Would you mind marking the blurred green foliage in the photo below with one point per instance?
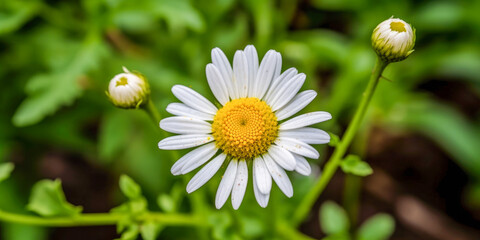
(56, 58)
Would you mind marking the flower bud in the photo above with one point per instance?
(393, 40)
(128, 90)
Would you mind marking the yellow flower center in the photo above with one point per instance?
(397, 26)
(122, 81)
(245, 128)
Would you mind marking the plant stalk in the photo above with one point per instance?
(337, 156)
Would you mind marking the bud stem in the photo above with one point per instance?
(331, 166)
(152, 112)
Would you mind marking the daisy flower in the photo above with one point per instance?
(250, 127)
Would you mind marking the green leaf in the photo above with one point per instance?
(179, 14)
(354, 165)
(444, 125)
(47, 199)
(150, 230)
(333, 218)
(131, 233)
(5, 170)
(19, 12)
(50, 91)
(166, 203)
(378, 227)
(334, 140)
(129, 187)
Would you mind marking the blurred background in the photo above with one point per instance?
(421, 134)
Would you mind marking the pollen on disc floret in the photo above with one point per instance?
(245, 128)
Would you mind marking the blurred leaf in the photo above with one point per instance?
(12, 231)
(135, 20)
(378, 227)
(333, 218)
(131, 233)
(129, 187)
(166, 203)
(114, 134)
(47, 199)
(338, 236)
(15, 14)
(334, 140)
(150, 230)
(354, 165)
(48, 92)
(5, 170)
(179, 14)
(444, 125)
(438, 16)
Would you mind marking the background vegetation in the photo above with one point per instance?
(421, 135)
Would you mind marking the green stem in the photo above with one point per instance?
(332, 165)
(99, 219)
(153, 112)
(198, 205)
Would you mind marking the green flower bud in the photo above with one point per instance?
(393, 40)
(128, 90)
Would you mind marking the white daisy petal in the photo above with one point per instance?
(193, 99)
(252, 59)
(201, 157)
(184, 141)
(206, 173)
(302, 166)
(283, 157)
(262, 176)
(226, 184)
(296, 104)
(240, 184)
(216, 83)
(181, 109)
(305, 120)
(221, 62)
(278, 65)
(185, 125)
(264, 75)
(297, 147)
(194, 154)
(240, 73)
(286, 76)
(287, 91)
(262, 199)
(279, 176)
(307, 135)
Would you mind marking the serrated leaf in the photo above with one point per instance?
(333, 218)
(5, 170)
(129, 187)
(354, 165)
(378, 227)
(50, 91)
(47, 199)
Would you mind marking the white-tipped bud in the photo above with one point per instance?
(128, 90)
(393, 40)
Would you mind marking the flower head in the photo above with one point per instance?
(393, 40)
(249, 129)
(128, 90)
